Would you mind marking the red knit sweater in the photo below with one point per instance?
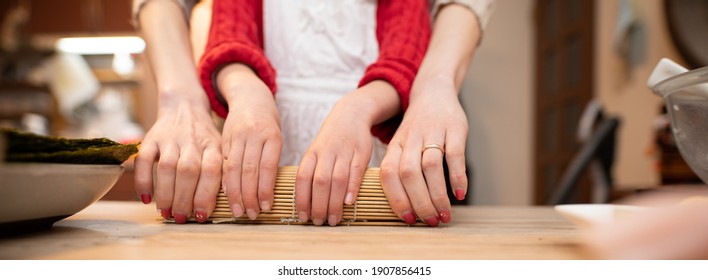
(236, 36)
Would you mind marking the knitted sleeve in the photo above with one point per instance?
(236, 36)
(403, 33)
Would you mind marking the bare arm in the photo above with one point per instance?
(169, 52)
(183, 143)
(449, 54)
(413, 177)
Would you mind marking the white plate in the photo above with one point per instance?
(35, 195)
(592, 214)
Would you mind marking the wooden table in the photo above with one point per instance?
(130, 230)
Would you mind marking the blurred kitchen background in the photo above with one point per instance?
(546, 70)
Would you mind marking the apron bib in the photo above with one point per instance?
(320, 50)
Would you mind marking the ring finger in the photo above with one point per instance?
(432, 164)
(413, 181)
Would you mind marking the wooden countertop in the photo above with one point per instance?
(130, 230)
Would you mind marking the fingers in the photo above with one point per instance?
(187, 178)
(411, 174)
(457, 166)
(166, 171)
(185, 184)
(143, 171)
(339, 184)
(208, 185)
(321, 183)
(268, 173)
(249, 177)
(184, 146)
(356, 172)
(432, 164)
(303, 186)
(231, 177)
(392, 185)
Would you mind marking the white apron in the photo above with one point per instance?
(320, 49)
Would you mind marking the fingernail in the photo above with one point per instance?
(432, 221)
(318, 222)
(445, 216)
(237, 210)
(166, 213)
(146, 198)
(265, 206)
(200, 215)
(460, 194)
(409, 218)
(252, 215)
(302, 215)
(180, 218)
(349, 199)
(333, 220)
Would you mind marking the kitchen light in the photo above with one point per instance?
(101, 45)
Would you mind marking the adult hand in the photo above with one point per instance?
(251, 141)
(186, 146)
(412, 175)
(331, 170)
(184, 140)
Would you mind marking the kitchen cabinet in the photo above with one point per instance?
(77, 16)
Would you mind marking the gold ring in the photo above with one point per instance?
(433, 146)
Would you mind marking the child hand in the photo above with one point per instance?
(331, 170)
(251, 141)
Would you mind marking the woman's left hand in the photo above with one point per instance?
(434, 128)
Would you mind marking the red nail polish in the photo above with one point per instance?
(409, 218)
(166, 213)
(201, 216)
(146, 198)
(460, 194)
(432, 221)
(180, 218)
(445, 216)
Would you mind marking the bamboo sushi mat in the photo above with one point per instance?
(370, 209)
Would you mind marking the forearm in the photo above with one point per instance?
(375, 102)
(164, 28)
(449, 53)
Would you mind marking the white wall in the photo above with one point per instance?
(497, 95)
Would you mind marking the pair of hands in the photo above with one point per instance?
(412, 177)
(191, 156)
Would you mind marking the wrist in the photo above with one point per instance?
(374, 102)
(427, 88)
(235, 80)
(437, 70)
(169, 97)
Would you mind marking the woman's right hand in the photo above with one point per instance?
(185, 144)
(251, 141)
